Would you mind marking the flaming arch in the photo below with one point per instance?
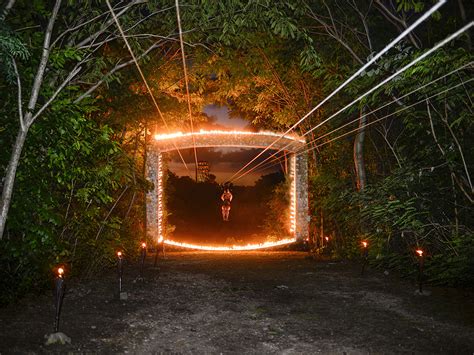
(298, 172)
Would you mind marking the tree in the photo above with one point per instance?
(75, 50)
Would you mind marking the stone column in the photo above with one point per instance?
(302, 216)
(154, 197)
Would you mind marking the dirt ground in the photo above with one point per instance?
(246, 302)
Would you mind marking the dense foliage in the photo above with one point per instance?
(79, 186)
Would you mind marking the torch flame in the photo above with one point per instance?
(119, 254)
(419, 252)
(364, 244)
(60, 272)
(327, 238)
(160, 137)
(232, 247)
(143, 245)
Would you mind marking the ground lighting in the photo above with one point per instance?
(142, 258)
(421, 262)
(120, 270)
(58, 296)
(365, 255)
(232, 247)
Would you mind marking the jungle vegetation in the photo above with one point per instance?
(75, 118)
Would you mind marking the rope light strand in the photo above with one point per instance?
(186, 81)
(345, 83)
(373, 122)
(122, 34)
(391, 77)
(382, 118)
(264, 166)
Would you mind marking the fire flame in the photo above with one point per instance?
(60, 272)
(119, 254)
(160, 137)
(327, 238)
(160, 239)
(232, 247)
(364, 244)
(419, 252)
(143, 245)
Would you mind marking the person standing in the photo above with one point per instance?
(226, 198)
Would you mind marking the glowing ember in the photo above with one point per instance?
(160, 196)
(60, 272)
(232, 247)
(160, 137)
(119, 254)
(143, 245)
(364, 244)
(419, 252)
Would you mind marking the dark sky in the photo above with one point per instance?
(224, 162)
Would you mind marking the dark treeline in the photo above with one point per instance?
(194, 211)
(75, 118)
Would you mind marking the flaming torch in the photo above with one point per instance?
(421, 261)
(365, 255)
(142, 261)
(120, 270)
(58, 296)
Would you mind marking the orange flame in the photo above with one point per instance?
(232, 247)
(160, 239)
(60, 272)
(143, 245)
(419, 252)
(160, 137)
(119, 254)
(364, 244)
(327, 238)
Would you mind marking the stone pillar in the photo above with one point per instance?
(302, 216)
(154, 198)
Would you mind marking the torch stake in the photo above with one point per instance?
(120, 273)
(365, 256)
(420, 273)
(142, 262)
(58, 300)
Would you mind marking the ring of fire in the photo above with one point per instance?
(162, 143)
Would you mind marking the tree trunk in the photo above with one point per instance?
(10, 178)
(359, 153)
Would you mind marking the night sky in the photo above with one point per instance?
(224, 162)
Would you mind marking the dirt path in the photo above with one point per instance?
(252, 302)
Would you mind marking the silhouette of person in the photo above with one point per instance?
(226, 198)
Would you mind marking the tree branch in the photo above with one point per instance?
(20, 106)
(6, 9)
(71, 75)
(108, 23)
(43, 62)
(114, 70)
(397, 22)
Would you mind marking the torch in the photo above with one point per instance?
(421, 261)
(365, 255)
(120, 270)
(58, 296)
(143, 256)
